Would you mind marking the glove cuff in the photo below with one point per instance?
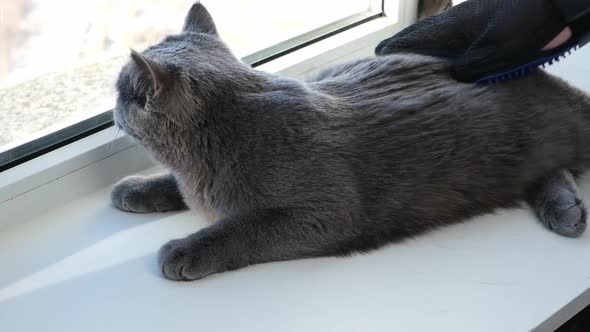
(572, 10)
(577, 14)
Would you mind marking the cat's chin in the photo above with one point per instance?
(121, 126)
(133, 135)
(209, 215)
(127, 131)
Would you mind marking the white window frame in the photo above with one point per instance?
(100, 159)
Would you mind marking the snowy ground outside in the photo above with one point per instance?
(59, 59)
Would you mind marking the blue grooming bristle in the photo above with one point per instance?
(529, 67)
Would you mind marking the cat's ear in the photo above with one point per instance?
(150, 72)
(198, 19)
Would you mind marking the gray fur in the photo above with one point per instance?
(432, 7)
(366, 153)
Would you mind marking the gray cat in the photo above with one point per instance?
(366, 153)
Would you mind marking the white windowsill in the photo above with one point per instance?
(86, 266)
(71, 262)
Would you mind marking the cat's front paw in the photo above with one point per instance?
(186, 260)
(131, 194)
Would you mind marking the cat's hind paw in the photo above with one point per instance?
(566, 217)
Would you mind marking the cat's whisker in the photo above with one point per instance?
(116, 135)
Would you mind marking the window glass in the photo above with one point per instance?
(59, 58)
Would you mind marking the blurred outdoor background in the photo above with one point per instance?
(59, 58)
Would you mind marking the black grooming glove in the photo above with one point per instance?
(482, 38)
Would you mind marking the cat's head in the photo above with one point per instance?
(171, 84)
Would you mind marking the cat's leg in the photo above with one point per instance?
(557, 203)
(264, 236)
(143, 194)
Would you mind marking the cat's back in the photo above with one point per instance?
(404, 110)
(405, 81)
(383, 77)
(397, 86)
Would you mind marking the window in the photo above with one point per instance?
(59, 59)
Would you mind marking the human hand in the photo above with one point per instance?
(482, 38)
